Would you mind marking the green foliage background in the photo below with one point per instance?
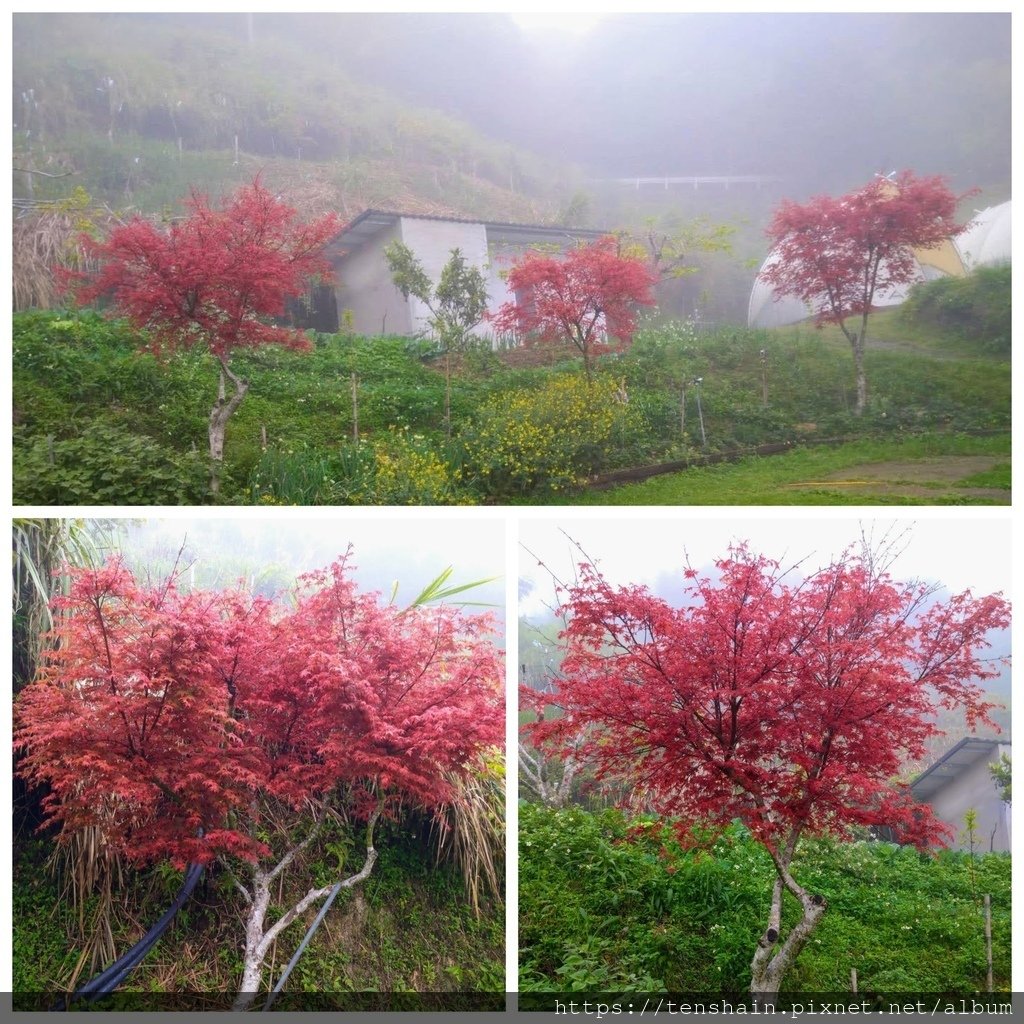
(608, 904)
(97, 420)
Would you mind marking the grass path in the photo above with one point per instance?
(931, 470)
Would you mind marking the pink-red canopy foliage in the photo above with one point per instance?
(788, 705)
(837, 254)
(586, 297)
(167, 719)
(213, 276)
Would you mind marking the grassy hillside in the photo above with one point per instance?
(136, 109)
(99, 422)
(409, 929)
(601, 911)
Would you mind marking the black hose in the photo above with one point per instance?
(109, 979)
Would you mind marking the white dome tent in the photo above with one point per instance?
(765, 310)
(985, 241)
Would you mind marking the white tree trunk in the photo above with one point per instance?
(775, 955)
(534, 772)
(259, 942)
(219, 416)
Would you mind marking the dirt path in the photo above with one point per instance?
(921, 478)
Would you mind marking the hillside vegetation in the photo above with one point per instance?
(138, 109)
(410, 932)
(99, 422)
(609, 905)
(969, 313)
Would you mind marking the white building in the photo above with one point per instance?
(363, 281)
(959, 781)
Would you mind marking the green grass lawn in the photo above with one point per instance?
(802, 477)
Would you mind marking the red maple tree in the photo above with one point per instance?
(183, 726)
(587, 297)
(787, 705)
(212, 278)
(836, 255)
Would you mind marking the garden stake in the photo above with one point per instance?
(355, 410)
(988, 939)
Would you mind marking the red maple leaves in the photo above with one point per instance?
(587, 298)
(213, 276)
(166, 719)
(788, 705)
(837, 255)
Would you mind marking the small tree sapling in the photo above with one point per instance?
(586, 298)
(212, 278)
(836, 255)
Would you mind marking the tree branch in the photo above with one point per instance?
(315, 894)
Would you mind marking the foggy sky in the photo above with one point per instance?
(409, 550)
(960, 553)
(824, 100)
(821, 100)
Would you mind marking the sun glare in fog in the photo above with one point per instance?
(569, 22)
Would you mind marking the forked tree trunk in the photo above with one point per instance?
(219, 416)
(775, 955)
(534, 774)
(258, 942)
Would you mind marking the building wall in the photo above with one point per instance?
(973, 787)
(433, 241)
(364, 285)
(364, 282)
(502, 256)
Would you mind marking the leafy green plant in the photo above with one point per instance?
(603, 896)
(975, 308)
(106, 465)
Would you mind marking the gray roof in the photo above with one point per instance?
(947, 767)
(371, 222)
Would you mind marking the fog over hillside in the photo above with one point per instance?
(516, 118)
(823, 100)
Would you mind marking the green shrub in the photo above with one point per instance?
(603, 899)
(106, 465)
(976, 308)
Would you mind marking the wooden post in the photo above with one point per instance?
(988, 939)
(263, 437)
(682, 408)
(355, 409)
(853, 980)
